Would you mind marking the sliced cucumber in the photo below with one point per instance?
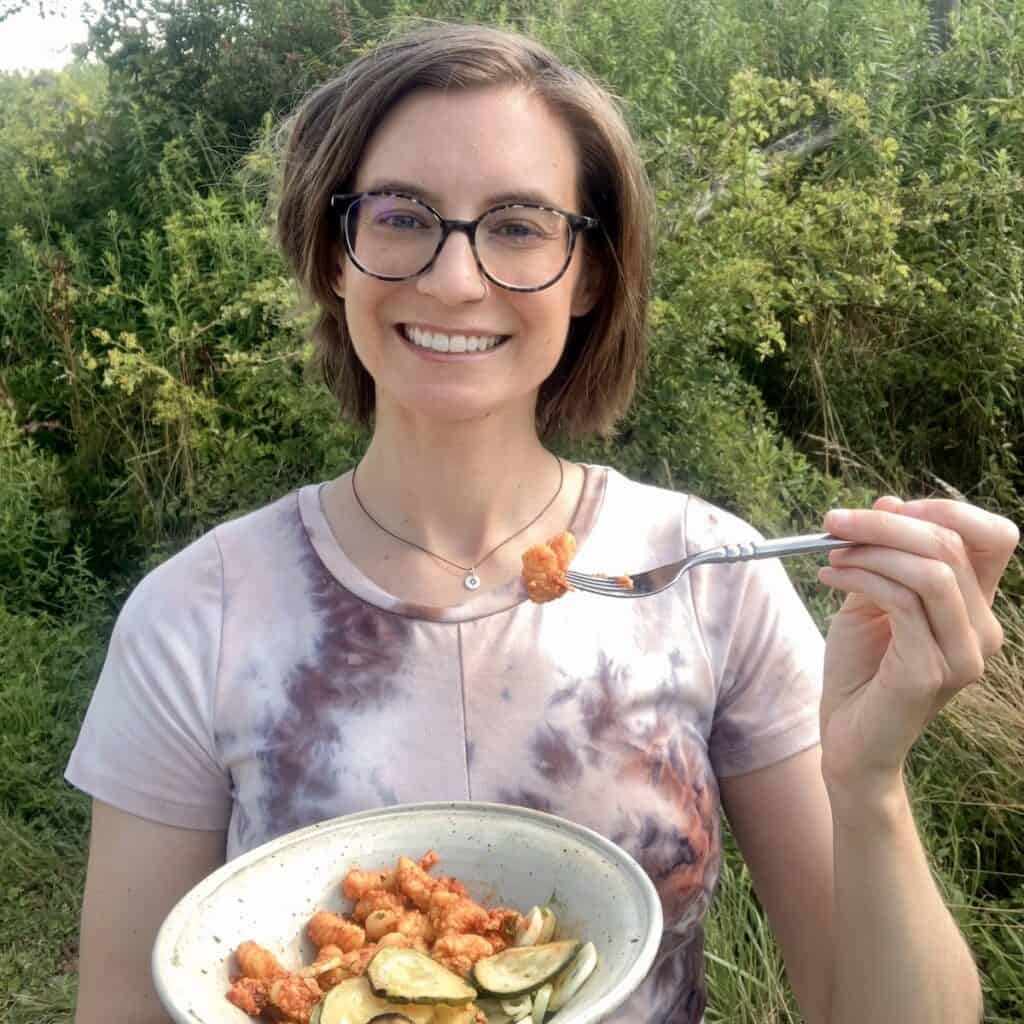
(353, 1002)
(314, 1017)
(409, 976)
(455, 1014)
(569, 984)
(522, 969)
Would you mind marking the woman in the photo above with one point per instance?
(473, 221)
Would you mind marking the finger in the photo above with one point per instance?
(920, 671)
(937, 587)
(896, 531)
(988, 539)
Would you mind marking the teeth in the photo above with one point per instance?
(452, 342)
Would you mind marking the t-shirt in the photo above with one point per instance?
(258, 681)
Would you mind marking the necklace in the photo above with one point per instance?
(472, 581)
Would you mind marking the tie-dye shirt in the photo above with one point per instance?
(258, 681)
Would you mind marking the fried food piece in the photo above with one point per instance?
(250, 995)
(327, 929)
(413, 883)
(429, 859)
(356, 962)
(416, 926)
(327, 977)
(295, 996)
(356, 884)
(502, 925)
(381, 923)
(545, 565)
(459, 952)
(449, 912)
(256, 962)
(377, 899)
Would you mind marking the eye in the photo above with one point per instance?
(400, 220)
(523, 227)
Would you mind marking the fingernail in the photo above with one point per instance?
(836, 519)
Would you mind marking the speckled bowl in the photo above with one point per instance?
(505, 855)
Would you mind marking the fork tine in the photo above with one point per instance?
(595, 584)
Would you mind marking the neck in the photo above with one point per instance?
(457, 490)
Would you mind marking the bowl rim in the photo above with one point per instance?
(170, 930)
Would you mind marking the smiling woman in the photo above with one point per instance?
(472, 219)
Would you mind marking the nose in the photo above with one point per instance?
(454, 276)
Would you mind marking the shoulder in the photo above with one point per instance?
(673, 517)
(189, 585)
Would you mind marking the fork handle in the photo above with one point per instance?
(780, 547)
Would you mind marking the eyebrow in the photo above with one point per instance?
(517, 196)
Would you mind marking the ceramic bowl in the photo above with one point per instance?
(505, 855)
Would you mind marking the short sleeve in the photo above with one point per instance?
(766, 652)
(146, 744)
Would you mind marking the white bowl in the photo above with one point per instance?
(505, 855)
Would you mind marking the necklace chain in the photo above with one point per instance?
(472, 581)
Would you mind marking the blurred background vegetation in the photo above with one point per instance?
(839, 314)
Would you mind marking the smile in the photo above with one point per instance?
(438, 342)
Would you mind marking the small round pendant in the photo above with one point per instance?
(472, 581)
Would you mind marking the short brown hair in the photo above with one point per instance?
(594, 383)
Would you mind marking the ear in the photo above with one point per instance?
(587, 288)
(338, 279)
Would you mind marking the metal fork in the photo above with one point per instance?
(653, 581)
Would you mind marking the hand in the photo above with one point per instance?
(915, 628)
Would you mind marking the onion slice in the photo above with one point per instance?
(518, 1009)
(541, 999)
(530, 930)
(547, 931)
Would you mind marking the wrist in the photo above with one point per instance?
(877, 800)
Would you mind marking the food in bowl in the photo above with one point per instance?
(415, 949)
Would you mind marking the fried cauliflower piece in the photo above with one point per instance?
(328, 968)
(295, 996)
(377, 899)
(327, 929)
(545, 565)
(358, 883)
(450, 912)
(250, 995)
(256, 962)
(459, 952)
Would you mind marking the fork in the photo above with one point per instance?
(654, 581)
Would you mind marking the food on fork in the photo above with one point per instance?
(545, 565)
(415, 949)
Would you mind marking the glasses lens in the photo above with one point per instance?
(390, 235)
(523, 246)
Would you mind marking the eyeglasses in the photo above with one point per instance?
(524, 247)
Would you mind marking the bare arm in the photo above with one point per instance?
(851, 900)
(137, 871)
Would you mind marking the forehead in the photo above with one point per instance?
(464, 147)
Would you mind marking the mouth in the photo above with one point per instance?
(433, 340)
